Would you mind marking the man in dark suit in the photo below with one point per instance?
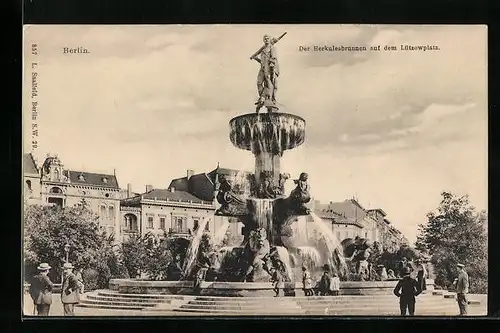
(41, 290)
(406, 289)
(462, 285)
(70, 291)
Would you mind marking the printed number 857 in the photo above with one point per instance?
(34, 49)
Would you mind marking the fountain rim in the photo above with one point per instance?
(277, 114)
(130, 282)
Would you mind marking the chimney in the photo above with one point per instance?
(149, 188)
(172, 189)
(190, 173)
(129, 190)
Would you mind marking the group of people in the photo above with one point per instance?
(41, 288)
(327, 285)
(408, 288)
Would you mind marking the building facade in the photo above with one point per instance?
(52, 184)
(205, 186)
(166, 210)
(349, 219)
(188, 203)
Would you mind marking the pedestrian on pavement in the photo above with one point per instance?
(421, 274)
(277, 280)
(307, 282)
(41, 290)
(334, 285)
(324, 283)
(79, 278)
(462, 287)
(407, 289)
(70, 290)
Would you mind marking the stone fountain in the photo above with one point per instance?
(264, 208)
(274, 222)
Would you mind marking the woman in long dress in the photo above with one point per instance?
(307, 282)
(421, 274)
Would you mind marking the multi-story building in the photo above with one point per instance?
(31, 180)
(349, 219)
(183, 207)
(205, 186)
(52, 184)
(166, 210)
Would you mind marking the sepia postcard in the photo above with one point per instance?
(243, 170)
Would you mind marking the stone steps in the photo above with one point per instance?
(111, 293)
(429, 303)
(118, 303)
(127, 299)
(109, 306)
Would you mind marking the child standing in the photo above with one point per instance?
(334, 285)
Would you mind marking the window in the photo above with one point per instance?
(162, 223)
(28, 184)
(338, 234)
(55, 190)
(179, 224)
(196, 225)
(131, 222)
(207, 226)
(103, 211)
(111, 212)
(150, 222)
(366, 235)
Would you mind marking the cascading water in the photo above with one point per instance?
(310, 256)
(192, 251)
(336, 258)
(285, 258)
(300, 232)
(263, 213)
(221, 232)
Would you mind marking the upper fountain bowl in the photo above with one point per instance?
(267, 132)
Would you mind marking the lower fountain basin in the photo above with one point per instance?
(245, 289)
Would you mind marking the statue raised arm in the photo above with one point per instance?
(267, 78)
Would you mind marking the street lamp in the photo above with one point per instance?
(66, 250)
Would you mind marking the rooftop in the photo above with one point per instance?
(337, 218)
(349, 209)
(177, 195)
(91, 178)
(380, 210)
(29, 164)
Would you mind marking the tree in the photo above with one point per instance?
(147, 254)
(47, 229)
(133, 251)
(455, 233)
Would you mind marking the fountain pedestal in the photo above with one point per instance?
(267, 209)
(267, 136)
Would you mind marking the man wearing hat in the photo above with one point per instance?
(41, 290)
(406, 289)
(462, 285)
(70, 291)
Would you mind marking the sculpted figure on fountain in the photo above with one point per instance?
(358, 251)
(232, 203)
(300, 196)
(257, 254)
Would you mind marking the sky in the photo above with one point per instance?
(393, 129)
